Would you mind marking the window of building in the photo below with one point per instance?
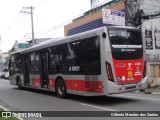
(155, 70)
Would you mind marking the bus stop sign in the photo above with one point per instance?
(113, 17)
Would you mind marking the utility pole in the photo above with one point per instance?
(94, 3)
(25, 10)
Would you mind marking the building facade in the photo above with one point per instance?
(92, 19)
(151, 33)
(4, 58)
(19, 46)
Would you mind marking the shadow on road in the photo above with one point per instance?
(98, 100)
(102, 100)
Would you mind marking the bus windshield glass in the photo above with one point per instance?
(123, 38)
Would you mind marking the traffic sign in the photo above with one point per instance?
(113, 17)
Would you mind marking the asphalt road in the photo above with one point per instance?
(35, 100)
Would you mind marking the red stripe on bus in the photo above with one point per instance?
(36, 81)
(82, 85)
(52, 83)
(79, 85)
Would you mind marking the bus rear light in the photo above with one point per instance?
(139, 86)
(145, 69)
(109, 71)
(120, 89)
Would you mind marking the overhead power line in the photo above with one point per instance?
(53, 28)
(14, 22)
(56, 27)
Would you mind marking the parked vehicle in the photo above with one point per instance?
(3, 73)
(6, 76)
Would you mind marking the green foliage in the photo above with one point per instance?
(11, 118)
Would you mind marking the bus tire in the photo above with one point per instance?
(19, 83)
(61, 90)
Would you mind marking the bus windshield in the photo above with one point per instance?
(126, 44)
(123, 38)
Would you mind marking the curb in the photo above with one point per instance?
(4, 108)
(147, 92)
(8, 110)
(155, 93)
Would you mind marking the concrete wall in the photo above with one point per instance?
(154, 74)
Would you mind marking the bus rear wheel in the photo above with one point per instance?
(61, 89)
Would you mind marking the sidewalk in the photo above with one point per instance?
(153, 91)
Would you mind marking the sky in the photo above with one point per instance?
(47, 14)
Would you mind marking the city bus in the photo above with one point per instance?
(103, 61)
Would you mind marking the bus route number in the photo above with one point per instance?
(74, 68)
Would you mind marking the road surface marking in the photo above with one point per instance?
(19, 118)
(84, 104)
(126, 96)
(4, 108)
(27, 92)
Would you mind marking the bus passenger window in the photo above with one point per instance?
(53, 60)
(92, 56)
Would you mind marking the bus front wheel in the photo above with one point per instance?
(61, 89)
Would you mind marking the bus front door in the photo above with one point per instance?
(26, 70)
(44, 69)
